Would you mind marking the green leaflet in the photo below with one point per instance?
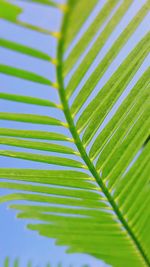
(27, 100)
(39, 198)
(70, 221)
(45, 209)
(23, 74)
(37, 145)
(74, 24)
(79, 194)
(16, 263)
(33, 134)
(9, 11)
(44, 2)
(62, 178)
(30, 118)
(42, 158)
(24, 49)
(6, 263)
(36, 29)
(44, 173)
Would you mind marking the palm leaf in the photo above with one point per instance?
(98, 202)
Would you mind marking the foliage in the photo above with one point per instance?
(16, 263)
(97, 201)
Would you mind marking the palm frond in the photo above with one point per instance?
(97, 201)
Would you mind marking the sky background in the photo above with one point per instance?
(15, 239)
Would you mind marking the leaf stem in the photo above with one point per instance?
(79, 144)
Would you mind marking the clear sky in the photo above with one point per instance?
(15, 239)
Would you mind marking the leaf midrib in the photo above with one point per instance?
(79, 144)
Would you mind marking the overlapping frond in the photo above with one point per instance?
(97, 201)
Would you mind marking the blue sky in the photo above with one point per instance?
(15, 239)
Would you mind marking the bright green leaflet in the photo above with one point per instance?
(24, 49)
(103, 191)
